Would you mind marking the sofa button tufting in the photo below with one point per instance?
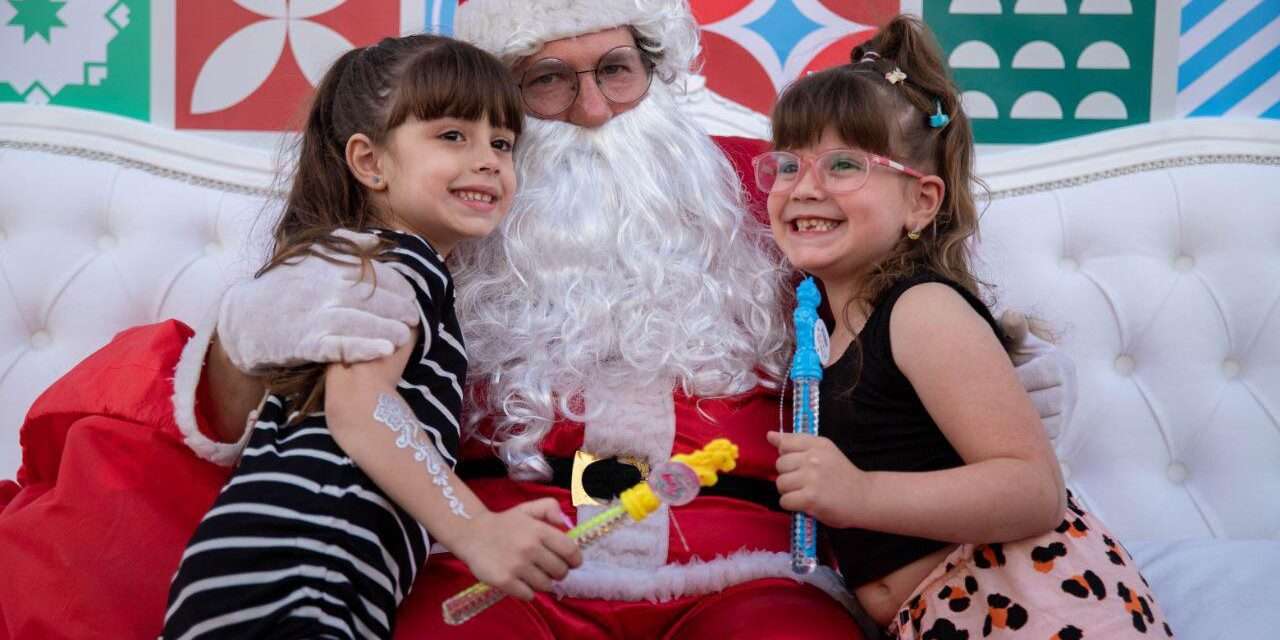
(1069, 264)
(1184, 263)
(106, 242)
(40, 339)
(1177, 473)
(1124, 365)
(1230, 368)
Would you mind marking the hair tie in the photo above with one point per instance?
(868, 57)
(895, 76)
(939, 119)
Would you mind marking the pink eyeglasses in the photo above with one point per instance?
(839, 170)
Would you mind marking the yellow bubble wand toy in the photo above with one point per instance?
(672, 483)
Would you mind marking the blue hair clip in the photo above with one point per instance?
(939, 119)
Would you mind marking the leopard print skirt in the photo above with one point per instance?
(1071, 583)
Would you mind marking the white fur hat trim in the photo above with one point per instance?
(513, 29)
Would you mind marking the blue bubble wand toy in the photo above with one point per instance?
(806, 374)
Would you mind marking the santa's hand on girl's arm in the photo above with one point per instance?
(316, 310)
(1048, 375)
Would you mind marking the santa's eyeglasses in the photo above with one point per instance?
(550, 86)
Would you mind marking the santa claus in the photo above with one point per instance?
(629, 308)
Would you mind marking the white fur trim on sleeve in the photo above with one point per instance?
(186, 379)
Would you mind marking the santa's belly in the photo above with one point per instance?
(708, 527)
(702, 547)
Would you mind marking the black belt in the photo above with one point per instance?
(607, 478)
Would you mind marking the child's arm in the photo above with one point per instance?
(1010, 486)
(518, 551)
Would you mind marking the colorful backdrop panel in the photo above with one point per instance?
(92, 54)
(1031, 70)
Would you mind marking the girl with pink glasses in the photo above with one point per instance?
(938, 488)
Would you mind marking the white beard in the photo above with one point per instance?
(627, 259)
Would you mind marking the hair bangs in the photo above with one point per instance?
(455, 80)
(841, 98)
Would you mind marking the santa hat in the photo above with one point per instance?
(511, 29)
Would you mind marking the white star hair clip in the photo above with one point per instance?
(895, 76)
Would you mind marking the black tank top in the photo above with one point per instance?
(872, 413)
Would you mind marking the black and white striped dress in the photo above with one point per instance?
(301, 543)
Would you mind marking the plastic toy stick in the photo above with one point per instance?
(806, 374)
(673, 483)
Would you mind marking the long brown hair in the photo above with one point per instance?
(866, 110)
(372, 90)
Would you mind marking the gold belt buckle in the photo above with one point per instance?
(580, 461)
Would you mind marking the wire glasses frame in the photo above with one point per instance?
(550, 86)
(840, 170)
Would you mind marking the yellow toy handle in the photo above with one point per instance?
(719, 456)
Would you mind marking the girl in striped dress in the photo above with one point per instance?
(347, 476)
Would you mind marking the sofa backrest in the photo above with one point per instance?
(1154, 253)
(107, 223)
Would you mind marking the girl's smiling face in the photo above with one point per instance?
(448, 179)
(837, 237)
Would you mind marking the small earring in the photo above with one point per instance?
(913, 235)
(377, 179)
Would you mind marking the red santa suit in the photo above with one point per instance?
(118, 468)
(719, 564)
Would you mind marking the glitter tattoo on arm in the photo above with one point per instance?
(393, 413)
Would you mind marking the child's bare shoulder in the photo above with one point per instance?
(929, 299)
(933, 316)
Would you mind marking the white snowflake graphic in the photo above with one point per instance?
(242, 62)
(70, 51)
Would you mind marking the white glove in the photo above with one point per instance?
(317, 311)
(1047, 374)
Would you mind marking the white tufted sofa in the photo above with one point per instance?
(107, 223)
(1153, 251)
